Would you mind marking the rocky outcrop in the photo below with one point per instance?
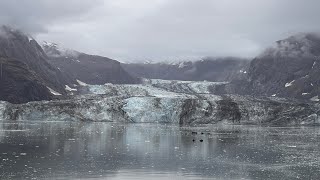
(87, 68)
(209, 69)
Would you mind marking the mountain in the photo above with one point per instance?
(209, 69)
(87, 68)
(30, 73)
(291, 69)
(26, 75)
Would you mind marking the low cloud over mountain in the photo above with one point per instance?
(162, 29)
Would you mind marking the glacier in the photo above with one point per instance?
(165, 101)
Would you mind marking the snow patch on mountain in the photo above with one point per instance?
(243, 71)
(289, 84)
(182, 65)
(314, 64)
(68, 88)
(53, 92)
(54, 50)
(315, 99)
(30, 38)
(81, 83)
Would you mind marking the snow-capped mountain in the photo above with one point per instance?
(54, 50)
(210, 69)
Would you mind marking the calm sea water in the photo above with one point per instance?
(70, 150)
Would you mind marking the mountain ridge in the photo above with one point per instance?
(91, 69)
(207, 69)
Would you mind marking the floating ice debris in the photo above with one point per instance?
(292, 146)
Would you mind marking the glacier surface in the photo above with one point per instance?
(162, 101)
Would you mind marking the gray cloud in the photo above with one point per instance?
(163, 29)
(34, 16)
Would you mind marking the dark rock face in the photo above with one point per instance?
(19, 84)
(25, 69)
(216, 70)
(87, 68)
(228, 109)
(289, 69)
(16, 45)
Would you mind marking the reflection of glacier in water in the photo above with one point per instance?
(69, 150)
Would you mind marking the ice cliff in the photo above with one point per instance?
(159, 101)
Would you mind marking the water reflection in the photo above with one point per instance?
(70, 150)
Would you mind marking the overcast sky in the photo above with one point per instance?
(132, 30)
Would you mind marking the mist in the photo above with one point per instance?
(162, 30)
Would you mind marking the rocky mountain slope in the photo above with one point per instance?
(87, 68)
(19, 83)
(209, 69)
(158, 101)
(30, 73)
(291, 68)
(25, 69)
